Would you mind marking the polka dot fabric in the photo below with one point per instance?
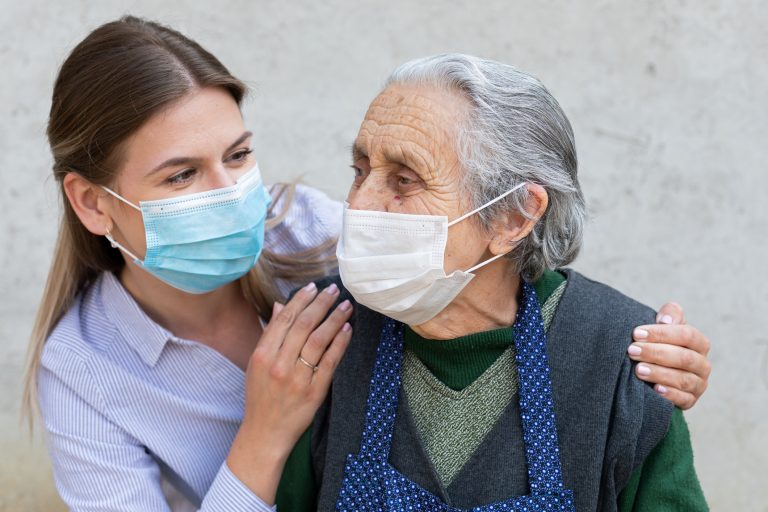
(372, 484)
(536, 407)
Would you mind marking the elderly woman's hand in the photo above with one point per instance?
(673, 356)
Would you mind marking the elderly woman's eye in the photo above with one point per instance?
(182, 177)
(405, 180)
(358, 171)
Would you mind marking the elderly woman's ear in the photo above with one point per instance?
(515, 226)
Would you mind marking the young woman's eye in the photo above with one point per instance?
(241, 155)
(182, 177)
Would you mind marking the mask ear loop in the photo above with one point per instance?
(486, 205)
(121, 198)
(116, 245)
(486, 262)
(491, 260)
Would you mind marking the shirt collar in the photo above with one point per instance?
(142, 333)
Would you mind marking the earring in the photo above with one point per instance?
(111, 240)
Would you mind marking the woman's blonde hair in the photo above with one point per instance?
(118, 77)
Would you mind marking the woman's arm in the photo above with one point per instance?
(673, 357)
(98, 466)
(666, 480)
(283, 392)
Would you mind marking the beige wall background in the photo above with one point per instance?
(668, 100)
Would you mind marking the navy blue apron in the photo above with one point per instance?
(372, 484)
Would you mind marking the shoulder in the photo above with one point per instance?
(307, 218)
(70, 338)
(594, 323)
(73, 345)
(598, 321)
(590, 296)
(335, 279)
(314, 203)
(592, 318)
(601, 317)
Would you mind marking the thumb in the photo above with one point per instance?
(670, 313)
(276, 309)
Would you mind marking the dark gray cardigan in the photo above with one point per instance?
(607, 420)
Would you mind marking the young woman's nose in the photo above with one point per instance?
(221, 177)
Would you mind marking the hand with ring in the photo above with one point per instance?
(303, 361)
(287, 379)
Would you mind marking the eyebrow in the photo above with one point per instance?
(412, 161)
(181, 160)
(358, 152)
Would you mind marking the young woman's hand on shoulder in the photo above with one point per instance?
(287, 379)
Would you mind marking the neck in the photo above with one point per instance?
(488, 302)
(210, 318)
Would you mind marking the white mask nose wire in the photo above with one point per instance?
(486, 205)
(121, 198)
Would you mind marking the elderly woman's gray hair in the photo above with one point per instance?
(516, 132)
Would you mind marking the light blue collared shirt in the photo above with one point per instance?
(139, 419)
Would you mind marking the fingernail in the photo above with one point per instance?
(346, 327)
(634, 350)
(643, 370)
(665, 319)
(311, 287)
(640, 334)
(331, 290)
(661, 389)
(344, 306)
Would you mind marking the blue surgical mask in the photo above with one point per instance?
(200, 242)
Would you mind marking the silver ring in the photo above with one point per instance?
(308, 364)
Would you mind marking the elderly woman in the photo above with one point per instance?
(480, 376)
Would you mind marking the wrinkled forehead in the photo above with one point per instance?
(422, 100)
(414, 112)
(413, 126)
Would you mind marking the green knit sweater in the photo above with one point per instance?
(484, 363)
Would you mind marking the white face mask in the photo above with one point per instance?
(393, 262)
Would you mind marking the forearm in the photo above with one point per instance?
(257, 463)
(229, 493)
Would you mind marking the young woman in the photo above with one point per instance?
(167, 370)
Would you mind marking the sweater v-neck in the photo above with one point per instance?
(458, 362)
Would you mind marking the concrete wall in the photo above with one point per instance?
(667, 99)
